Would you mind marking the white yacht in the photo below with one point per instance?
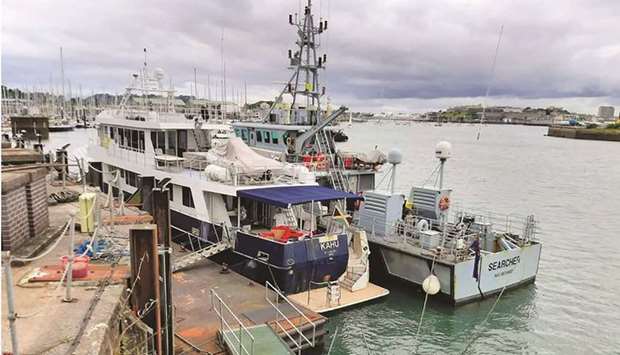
(268, 220)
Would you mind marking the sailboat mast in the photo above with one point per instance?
(62, 79)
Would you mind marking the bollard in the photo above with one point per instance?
(68, 297)
(11, 316)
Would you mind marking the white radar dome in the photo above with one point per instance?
(443, 150)
(395, 156)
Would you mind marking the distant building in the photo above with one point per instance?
(606, 112)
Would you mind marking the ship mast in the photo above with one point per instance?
(303, 86)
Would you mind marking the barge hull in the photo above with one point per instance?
(507, 269)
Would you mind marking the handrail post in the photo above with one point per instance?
(68, 297)
(8, 278)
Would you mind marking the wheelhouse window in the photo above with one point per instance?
(259, 136)
(275, 137)
(129, 139)
(172, 143)
(266, 137)
(187, 197)
(132, 179)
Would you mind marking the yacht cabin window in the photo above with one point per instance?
(187, 197)
(275, 136)
(172, 143)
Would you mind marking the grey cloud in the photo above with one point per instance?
(393, 50)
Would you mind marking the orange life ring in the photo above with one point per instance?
(444, 203)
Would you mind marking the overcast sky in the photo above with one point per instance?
(395, 55)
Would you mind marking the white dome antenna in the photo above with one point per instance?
(394, 157)
(443, 151)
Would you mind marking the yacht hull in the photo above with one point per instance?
(290, 266)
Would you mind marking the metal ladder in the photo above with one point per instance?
(291, 220)
(237, 336)
(338, 180)
(199, 132)
(197, 256)
(284, 324)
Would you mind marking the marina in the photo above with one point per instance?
(323, 214)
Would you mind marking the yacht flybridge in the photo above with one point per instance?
(269, 220)
(296, 128)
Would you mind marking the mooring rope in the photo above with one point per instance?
(484, 321)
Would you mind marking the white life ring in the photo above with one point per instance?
(422, 225)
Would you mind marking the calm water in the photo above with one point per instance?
(573, 188)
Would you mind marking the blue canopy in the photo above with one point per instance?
(284, 196)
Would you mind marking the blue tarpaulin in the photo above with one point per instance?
(294, 195)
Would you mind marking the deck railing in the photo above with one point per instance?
(456, 238)
(301, 338)
(192, 167)
(328, 290)
(234, 336)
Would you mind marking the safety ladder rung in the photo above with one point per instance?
(199, 255)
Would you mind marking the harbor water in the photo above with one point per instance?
(573, 188)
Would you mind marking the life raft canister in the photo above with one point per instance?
(444, 203)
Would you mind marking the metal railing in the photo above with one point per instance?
(302, 339)
(454, 241)
(327, 290)
(226, 330)
(512, 223)
(193, 167)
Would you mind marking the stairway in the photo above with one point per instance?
(356, 269)
(197, 256)
(338, 180)
(291, 220)
(200, 138)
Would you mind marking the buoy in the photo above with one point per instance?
(431, 285)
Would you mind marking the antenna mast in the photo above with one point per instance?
(195, 84)
(305, 63)
(62, 78)
(491, 79)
